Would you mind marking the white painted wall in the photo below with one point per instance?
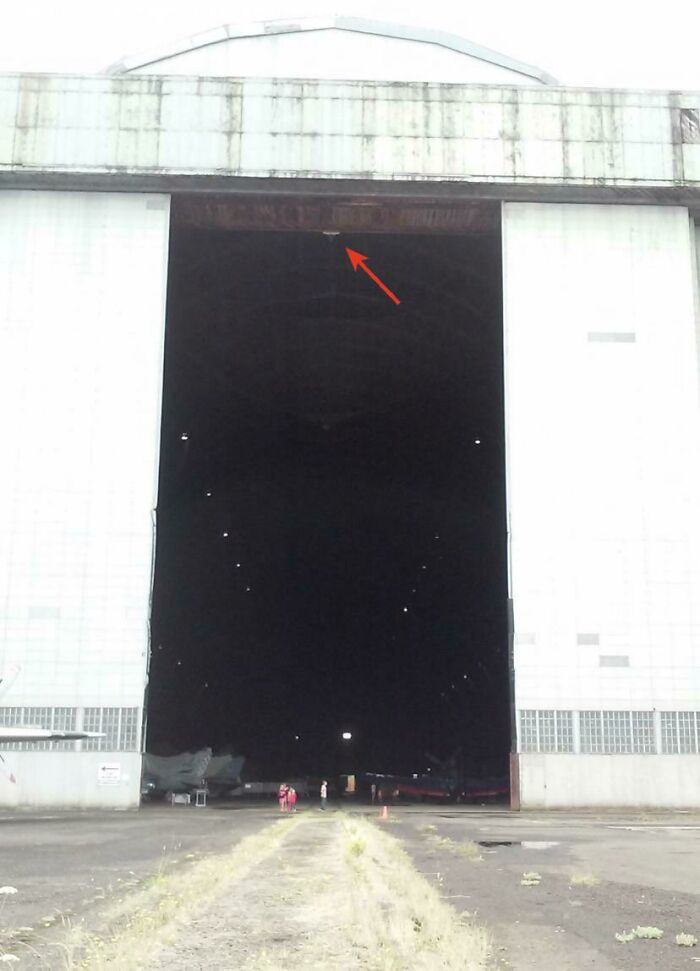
(72, 780)
(82, 305)
(603, 452)
(571, 781)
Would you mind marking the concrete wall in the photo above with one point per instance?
(570, 781)
(603, 452)
(369, 131)
(82, 309)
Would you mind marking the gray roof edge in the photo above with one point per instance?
(362, 25)
(441, 38)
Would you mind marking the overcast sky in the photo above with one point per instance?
(622, 43)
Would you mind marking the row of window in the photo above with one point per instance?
(610, 732)
(119, 725)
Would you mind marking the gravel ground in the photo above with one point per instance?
(647, 872)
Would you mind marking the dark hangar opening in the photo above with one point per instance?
(331, 551)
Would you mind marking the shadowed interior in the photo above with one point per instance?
(331, 517)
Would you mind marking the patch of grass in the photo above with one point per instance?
(686, 940)
(145, 919)
(624, 937)
(530, 879)
(356, 847)
(400, 918)
(467, 849)
(155, 882)
(583, 880)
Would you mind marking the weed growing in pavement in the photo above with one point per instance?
(530, 879)
(643, 933)
(467, 849)
(686, 940)
(648, 933)
(583, 880)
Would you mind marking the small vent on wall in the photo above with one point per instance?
(614, 661)
(588, 638)
(611, 337)
(690, 126)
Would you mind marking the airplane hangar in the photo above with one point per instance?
(172, 256)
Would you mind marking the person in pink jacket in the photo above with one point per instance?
(292, 799)
(282, 797)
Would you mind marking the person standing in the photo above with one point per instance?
(324, 794)
(292, 799)
(373, 790)
(282, 796)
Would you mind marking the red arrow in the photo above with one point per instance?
(357, 259)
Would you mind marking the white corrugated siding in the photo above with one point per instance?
(82, 304)
(603, 445)
(337, 130)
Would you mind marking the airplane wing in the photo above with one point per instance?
(21, 734)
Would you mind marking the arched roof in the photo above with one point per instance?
(361, 25)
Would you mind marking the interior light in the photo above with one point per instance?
(184, 436)
(347, 736)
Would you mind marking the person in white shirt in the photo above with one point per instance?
(324, 794)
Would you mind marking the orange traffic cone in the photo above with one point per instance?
(384, 814)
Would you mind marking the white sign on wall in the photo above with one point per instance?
(109, 773)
